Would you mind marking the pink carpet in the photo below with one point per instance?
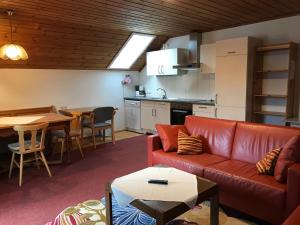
(41, 198)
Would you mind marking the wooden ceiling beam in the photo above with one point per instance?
(82, 34)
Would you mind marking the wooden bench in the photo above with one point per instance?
(27, 111)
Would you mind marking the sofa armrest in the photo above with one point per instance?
(293, 187)
(294, 218)
(153, 143)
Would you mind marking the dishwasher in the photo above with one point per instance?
(133, 115)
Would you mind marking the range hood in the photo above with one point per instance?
(193, 57)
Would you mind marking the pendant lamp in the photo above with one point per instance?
(11, 50)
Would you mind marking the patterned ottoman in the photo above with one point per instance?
(92, 212)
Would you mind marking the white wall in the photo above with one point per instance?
(192, 85)
(22, 88)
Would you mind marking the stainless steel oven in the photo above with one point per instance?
(179, 110)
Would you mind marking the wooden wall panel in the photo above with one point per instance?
(84, 34)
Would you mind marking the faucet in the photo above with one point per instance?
(164, 96)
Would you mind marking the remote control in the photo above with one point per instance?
(154, 181)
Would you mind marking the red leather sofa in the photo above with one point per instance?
(233, 149)
(294, 218)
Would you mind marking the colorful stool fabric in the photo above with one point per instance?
(129, 215)
(90, 212)
(93, 212)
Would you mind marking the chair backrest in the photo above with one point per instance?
(76, 122)
(103, 114)
(36, 145)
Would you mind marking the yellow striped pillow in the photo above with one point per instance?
(189, 145)
(267, 164)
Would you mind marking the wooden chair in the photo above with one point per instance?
(101, 119)
(75, 133)
(32, 146)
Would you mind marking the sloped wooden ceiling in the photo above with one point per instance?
(87, 34)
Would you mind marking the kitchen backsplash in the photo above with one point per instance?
(191, 85)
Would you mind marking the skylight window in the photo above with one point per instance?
(133, 48)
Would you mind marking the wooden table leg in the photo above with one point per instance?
(160, 222)
(67, 132)
(214, 210)
(108, 205)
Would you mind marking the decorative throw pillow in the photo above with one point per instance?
(169, 135)
(189, 145)
(288, 156)
(267, 164)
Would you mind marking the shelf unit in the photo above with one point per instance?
(272, 71)
(271, 96)
(270, 103)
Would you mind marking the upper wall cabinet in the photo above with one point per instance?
(235, 46)
(208, 58)
(161, 62)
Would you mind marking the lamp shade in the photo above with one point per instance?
(13, 52)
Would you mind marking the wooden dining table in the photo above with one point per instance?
(56, 122)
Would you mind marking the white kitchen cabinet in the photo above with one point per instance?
(147, 115)
(208, 58)
(233, 77)
(153, 112)
(234, 46)
(231, 113)
(161, 62)
(153, 63)
(231, 80)
(162, 112)
(204, 110)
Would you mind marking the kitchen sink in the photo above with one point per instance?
(172, 98)
(156, 98)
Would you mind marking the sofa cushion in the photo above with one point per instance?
(241, 179)
(218, 133)
(190, 163)
(169, 135)
(288, 156)
(253, 141)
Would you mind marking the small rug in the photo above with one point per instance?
(93, 212)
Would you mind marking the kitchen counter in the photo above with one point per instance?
(177, 100)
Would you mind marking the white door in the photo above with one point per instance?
(168, 59)
(204, 111)
(231, 113)
(208, 58)
(153, 63)
(231, 81)
(147, 115)
(162, 113)
(234, 46)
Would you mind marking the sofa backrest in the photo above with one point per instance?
(252, 141)
(218, 133)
